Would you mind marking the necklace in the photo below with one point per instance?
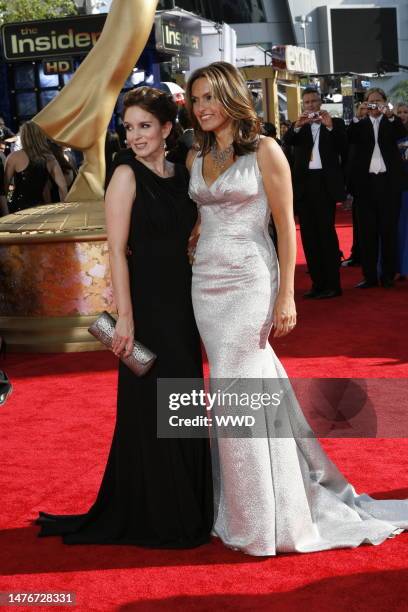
(220, 158)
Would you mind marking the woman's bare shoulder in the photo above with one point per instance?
(15, 156)
(123, 181)
(267, 144)
(268, 151)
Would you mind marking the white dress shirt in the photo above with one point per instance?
(315, 162)
(377, 164)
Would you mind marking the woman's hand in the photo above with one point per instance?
(193, 240)
(123, 336)
(284, 315)
(191, 249)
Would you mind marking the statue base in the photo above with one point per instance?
(54, 277)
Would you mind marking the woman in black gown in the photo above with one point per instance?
(155, 492)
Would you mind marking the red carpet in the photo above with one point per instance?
(52, 459)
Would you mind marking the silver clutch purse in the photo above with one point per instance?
(141, 359)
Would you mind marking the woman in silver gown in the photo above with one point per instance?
(275, 491)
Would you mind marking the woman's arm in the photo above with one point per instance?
(119, 200)
(193, 240)
(191, 155)
(47, 192)
(195, 233)
(278, 187)
(55, 171)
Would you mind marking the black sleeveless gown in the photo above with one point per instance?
(29, 186)
(155, 492)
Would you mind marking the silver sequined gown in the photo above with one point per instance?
(272, 494)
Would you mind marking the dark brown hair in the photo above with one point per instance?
(373, 90)
(310, 90)
(35, 143)
(154, 101)
(229, 88)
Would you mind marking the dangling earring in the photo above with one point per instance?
(164, 145)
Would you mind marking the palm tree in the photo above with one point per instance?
(399, 93)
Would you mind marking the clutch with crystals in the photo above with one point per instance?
(139, 361)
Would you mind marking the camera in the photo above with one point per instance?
(313, 115)
(380, 107)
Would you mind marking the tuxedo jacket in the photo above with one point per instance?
(333, 153)
(362, 141)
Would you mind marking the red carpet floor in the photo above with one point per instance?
(52, 459)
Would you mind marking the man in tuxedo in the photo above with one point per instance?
(319, 145)
(375, 176)
(355, 256)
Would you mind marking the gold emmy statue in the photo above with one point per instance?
(54, 271)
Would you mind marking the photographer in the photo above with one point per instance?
(375, 176)
(319, 144)
(8, 134)
(355, 256)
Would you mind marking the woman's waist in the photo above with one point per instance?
(236, 252)
(234, 235)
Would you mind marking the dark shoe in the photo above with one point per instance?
(387, 284)
(329, 293)
(5, 387)
(312, 293)
(348, 263)
(364, 284)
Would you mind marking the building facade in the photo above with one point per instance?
(351, 36)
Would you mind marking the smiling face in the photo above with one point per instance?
(144, 132)
(209, 113)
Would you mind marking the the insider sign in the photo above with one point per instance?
(59, 37)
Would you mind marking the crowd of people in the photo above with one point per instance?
(365, 162)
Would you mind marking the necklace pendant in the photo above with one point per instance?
(220, 158)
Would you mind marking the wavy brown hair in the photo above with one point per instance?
(35, 143)
(229, 88)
